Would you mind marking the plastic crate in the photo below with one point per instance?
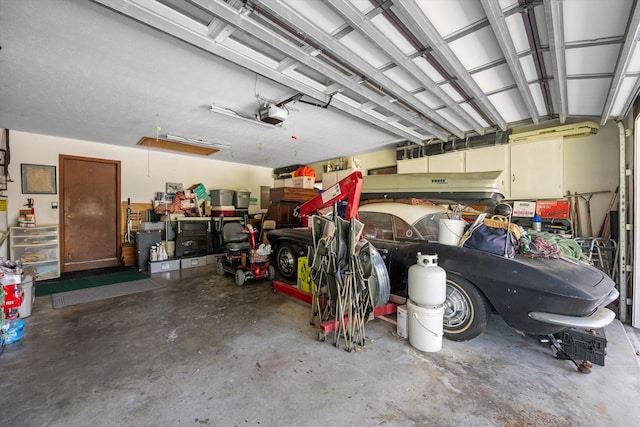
(585, 344)
(222, 197)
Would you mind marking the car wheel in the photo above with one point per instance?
(271, 273)
(466, 311)
(240, 277)
(287, 262)
(220, 267)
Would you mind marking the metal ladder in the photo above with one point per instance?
(601, 252)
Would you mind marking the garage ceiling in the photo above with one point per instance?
(353, 76)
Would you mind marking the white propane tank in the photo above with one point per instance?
(427, 282)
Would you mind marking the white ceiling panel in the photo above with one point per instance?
(518, 33)
(429, 99)
(450, 16)
(449, 90)
(373, 73)
(494, 78)
(529, 68)
(538, 98)
(507, 4)
(404, 79)
(392, 34)
(477, 49)
(474, 114)
(592, 60)
(510, 105)
(634, 62)
(323, 17)
(586, 96)
(364, 49)
(449, 115)
(594, 19)
(428, 69)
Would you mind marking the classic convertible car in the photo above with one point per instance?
(533, 295)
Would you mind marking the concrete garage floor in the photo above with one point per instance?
(203, 351)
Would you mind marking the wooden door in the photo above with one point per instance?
(90, 213)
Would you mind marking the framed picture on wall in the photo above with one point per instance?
(38, 179)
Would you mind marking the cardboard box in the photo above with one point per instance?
(304, 182)
(200, 191)
(187, 204)
(524, 209)
(557, 209)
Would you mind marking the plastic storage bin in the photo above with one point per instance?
(222, 197)
(241, 199)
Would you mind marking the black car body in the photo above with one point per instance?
(533, 295)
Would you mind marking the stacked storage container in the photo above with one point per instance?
(222, 202)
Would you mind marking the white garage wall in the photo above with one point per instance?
(590, 165)
(143, 171)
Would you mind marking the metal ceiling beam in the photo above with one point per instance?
(555, 28)
(627, 51)
(355, 19)
(308, 30)
(160, 17)
(501, 31)
(251, 27)
(422, 28)
(527, 11)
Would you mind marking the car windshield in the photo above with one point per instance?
(429, 225)
(391, 227)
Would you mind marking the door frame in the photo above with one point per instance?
(117, 164)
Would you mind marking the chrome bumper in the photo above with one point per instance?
(599, 319)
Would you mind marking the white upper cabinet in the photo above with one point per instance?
(495, 158)
(536, 169)
(449, 162)
(419, 165)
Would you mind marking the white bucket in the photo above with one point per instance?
(28, 298)
(425, 327)
(450, 231)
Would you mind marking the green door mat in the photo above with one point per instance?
(88, 282)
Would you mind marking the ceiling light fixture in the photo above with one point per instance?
(196, 141)
(231, 113)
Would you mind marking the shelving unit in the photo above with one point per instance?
(38, 249)
(193, 238)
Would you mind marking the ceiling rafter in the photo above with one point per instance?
(329, 44)
(629, 47)
(157, 16)
(349, 13)
(151, 13)
(422, 28)
(527, 12)
(555, 28)
(249, 26)
(501, 31)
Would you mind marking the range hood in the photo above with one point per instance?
(476, 188)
